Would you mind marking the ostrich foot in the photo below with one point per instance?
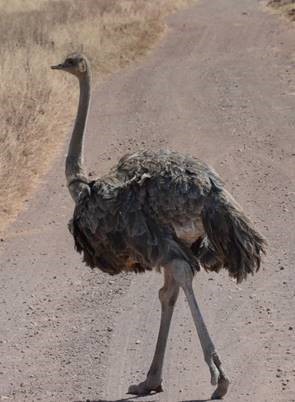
(145, 388)
(222, 388)
(218, 377)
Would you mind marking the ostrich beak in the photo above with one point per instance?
(57, 67)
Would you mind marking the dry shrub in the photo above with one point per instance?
(285, 7)
(36, 105)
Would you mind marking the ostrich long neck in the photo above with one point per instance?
(74, 163)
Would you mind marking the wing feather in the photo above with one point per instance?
(127, 222)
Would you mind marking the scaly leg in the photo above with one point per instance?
(168, 295)
(183, 275)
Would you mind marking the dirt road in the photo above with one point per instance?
(221, 86)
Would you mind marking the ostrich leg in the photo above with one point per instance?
(183, 275)
(168, 295)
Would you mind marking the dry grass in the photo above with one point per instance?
(285, 7)
(37, 106)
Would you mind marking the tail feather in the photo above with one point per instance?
(231, 241)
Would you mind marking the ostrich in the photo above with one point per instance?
(158, 210)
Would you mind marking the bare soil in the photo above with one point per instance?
(221, 86)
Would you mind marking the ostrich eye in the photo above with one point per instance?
(70, 62)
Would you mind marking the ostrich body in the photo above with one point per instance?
(153, 210)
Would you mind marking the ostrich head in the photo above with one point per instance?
(76, 64)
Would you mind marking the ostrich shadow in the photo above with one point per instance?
(134, 399)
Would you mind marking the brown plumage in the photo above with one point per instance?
(158, 209)
(157, 206)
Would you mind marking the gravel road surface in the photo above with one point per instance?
(220, 86)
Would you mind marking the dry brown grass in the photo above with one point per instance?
(284, 7)
(37, 106)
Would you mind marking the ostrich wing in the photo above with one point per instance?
(129, 223)
(100, 224)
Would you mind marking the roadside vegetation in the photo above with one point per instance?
(37, 105)
(285, 7)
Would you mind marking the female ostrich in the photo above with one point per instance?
(158, 209)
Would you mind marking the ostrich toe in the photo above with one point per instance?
(221, 389)
(144, 388)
